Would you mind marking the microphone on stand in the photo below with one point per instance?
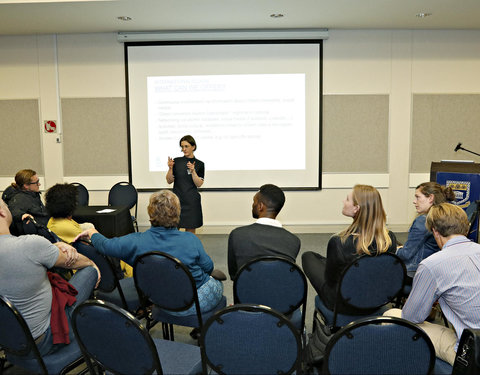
(459, 147)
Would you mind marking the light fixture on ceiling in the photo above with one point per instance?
(276, 15)
(124, 18)
(423, 15)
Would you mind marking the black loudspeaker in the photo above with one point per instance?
(467, 360)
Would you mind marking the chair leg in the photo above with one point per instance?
(165, 331)
(172, 337)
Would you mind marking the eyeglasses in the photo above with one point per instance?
(34, 183)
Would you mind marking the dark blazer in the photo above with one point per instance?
(252, 241)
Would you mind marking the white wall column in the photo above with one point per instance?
(400, 126)
(50, 108)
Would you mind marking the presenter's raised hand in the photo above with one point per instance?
(191, 167)
(171, 163)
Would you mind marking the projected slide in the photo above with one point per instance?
(254, 109)
(229, 114)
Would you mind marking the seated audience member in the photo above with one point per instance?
(24, 280)
(61, 201)
(24, 201)
(451, 277)
(367, 234)
(163, 235)
(420, 242)
(264, 237)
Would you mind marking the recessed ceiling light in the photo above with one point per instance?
(423, 15)
(276, 15)
(124, 18)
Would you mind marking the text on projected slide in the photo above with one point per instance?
(243, 114)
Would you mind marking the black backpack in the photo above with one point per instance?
(467, 360)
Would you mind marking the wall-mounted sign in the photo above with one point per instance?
(50, 126)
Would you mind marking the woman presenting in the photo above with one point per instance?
(187, 174)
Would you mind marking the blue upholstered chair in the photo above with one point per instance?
(251, 339)
(275, 282)
(83, 196)
(114, 339)
(366, 285)
(21, 350)
(124, 194)
(380, 345)
(167, 283)
(121, 292)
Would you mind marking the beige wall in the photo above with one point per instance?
(384, 96)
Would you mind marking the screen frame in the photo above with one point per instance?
(319, 42)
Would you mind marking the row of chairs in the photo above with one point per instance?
(163, 281)
(239, 339)
(121, 194)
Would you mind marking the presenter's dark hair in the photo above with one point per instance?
(61, 200)
(189, 139)
(272, 196)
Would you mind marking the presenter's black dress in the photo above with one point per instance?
(186, 190)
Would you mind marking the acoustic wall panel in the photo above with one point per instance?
(20, 136)
(355, 133)
(439, 122)
(95, 136)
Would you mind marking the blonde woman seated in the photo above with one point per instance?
(367, 234)
(163, 235)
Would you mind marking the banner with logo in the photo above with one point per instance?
(467, 190)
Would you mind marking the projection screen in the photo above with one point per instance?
(253, 107)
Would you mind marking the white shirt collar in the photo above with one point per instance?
(268, 221)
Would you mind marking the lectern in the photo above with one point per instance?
(464, 179)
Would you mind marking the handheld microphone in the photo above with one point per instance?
(459, 146)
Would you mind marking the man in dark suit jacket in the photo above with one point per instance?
(266, 236)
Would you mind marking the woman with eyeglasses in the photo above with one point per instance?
(187, 174)
(24, 200)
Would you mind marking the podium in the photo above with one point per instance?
(464, 179)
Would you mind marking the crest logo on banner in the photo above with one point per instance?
(462, 192)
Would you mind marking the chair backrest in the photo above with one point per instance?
(166, 282)
(109, 281)
(32, 227)
(83, 196)
(123, 194)
(380, 345)
(113, 337)
(472, 213)
(250, 339)
(370, 282)
(15, 336)
(272, 281)
(467, 360)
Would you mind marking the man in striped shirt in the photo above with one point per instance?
(451, 277)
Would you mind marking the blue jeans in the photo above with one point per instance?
(84, 281)
(209, 295)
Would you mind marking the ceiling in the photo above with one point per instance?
(87, 16)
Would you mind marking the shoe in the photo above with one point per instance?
(195, 334)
